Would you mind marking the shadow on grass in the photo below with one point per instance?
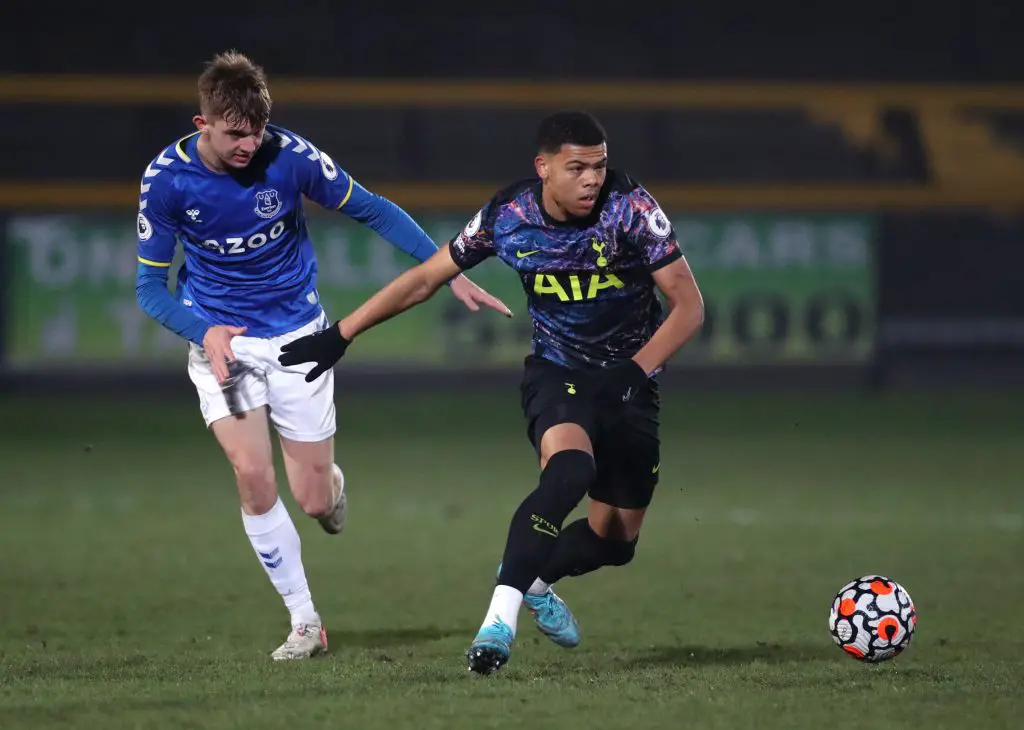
(693, 655)
(385, 638)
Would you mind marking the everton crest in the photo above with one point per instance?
(268, 204)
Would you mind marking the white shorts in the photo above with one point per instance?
(300, 411)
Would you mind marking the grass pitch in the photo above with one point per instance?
(131, 598)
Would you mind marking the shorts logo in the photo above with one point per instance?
(268, 204)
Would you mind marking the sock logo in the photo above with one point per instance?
(268, 558)
(543, 526)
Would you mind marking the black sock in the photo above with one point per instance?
(580, 550)
(537, 522)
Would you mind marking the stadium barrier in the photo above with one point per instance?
(972, 137)
(780, 290)
(818, 281)
(831, 298)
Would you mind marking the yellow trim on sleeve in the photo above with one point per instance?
(348, 194)
(147, 262)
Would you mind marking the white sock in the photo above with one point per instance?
(504, 607)
(276, 542)
(539, 588)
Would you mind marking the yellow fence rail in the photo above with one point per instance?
(969, 164)
(467, 197)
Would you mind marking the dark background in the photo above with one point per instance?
(909, 113)
(905, 40)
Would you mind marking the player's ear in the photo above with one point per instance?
(200, 121)
(540, 164)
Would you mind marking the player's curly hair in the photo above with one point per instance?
(569, 127)
(234, 88)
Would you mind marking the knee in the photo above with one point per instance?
(313, 489)
(256, 485)
(620, 552)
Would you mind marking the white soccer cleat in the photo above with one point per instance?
(305, 641)
(334, 521)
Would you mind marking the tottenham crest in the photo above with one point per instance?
(268, 204)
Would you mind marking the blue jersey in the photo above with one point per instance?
(588, 282)
(248, 257)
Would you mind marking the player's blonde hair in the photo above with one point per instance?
(234, 88)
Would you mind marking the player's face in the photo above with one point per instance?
(573, 178)
(232, 143)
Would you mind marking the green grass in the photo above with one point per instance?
(130, 598)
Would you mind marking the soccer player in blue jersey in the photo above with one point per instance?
(231, 195)
(592, 248)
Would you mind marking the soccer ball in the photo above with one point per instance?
(872, 618)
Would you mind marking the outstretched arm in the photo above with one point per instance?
(416, 285)
(474, 244)
(398, 228)
(388, 220)
(335, 189)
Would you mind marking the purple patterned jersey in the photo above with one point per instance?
(588, 282)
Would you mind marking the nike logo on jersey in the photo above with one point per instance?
(524, 254)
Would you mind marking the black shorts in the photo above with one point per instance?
(627, 449)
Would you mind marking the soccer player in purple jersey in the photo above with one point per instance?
(231, 195)
(592, 248)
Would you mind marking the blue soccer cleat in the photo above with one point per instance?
(491, 648)
(553, 618)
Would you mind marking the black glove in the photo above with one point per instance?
(618, 384)
(324, 348)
